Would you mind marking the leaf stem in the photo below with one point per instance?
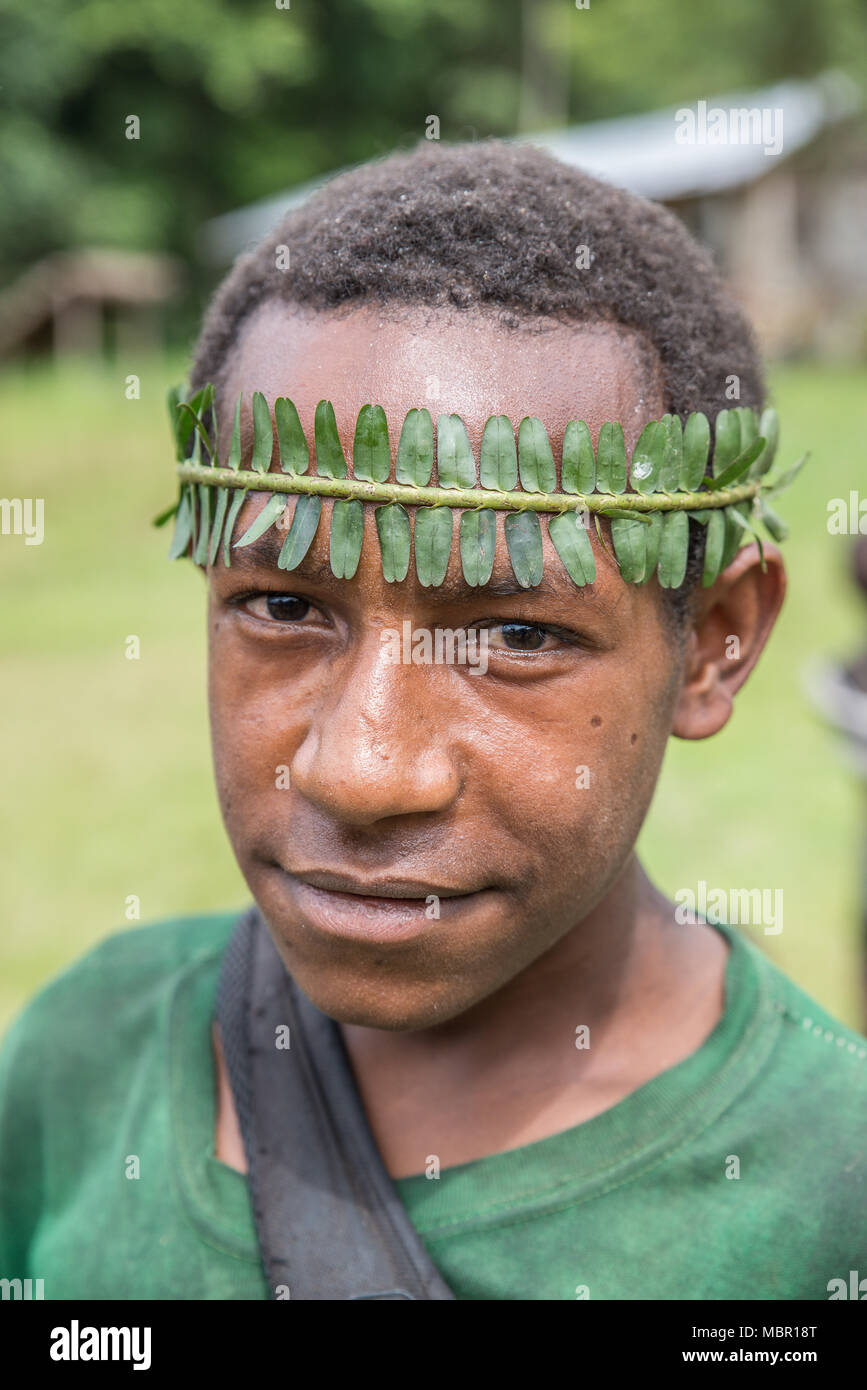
(477, 498)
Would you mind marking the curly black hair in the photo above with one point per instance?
(497, 224)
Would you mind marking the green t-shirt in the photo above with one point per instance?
(738, 1173)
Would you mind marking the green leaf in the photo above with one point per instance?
(194, 519)
(478, 540)
(163, 517)
(736, 469)
(777, 527)
(183, 527)
(433, 543)
(415, 450)
(229, 528)
(234, 459)
(185, 424)
(630, 548)
(578, 465)
(600, 536)
(626, 514)
(727, 440)
(769, 429)
(536, 466)
(456, 466)
(696, 444)
(736, 524)
(647, 457)
(347, 536)
(713, 547)
(672, 463)
(652, 542)
(786, 479)
(393, 528)
(330, 462)
(299, 537)
(217, 528)
(200, 554)
(703, 516)
(749, 426)
(741, 523)
(189, 422)
(173, 399)
(207, 404)
(190, 413)
(572, 543)
(499, 457)
(263, 434)
(673, 549)
(611, 459)
(524, 544)
(291, 440)
(273, 508)
(371, 452)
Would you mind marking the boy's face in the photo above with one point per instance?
(441, 828)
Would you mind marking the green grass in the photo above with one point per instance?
(107, 764)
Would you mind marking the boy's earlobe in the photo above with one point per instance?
(732, 623)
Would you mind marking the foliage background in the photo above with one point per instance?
(238, 100)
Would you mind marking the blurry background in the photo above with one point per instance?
(141, 147)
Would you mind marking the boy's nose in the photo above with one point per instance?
(376, 749)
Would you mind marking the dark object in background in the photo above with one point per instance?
(840, 693)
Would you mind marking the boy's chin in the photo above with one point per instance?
(396, 985)
(392, 1009)
(373, 998)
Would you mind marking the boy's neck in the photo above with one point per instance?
(509, 1071)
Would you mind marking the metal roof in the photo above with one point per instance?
(639, 153)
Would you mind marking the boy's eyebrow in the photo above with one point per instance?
(263, 554)
(453, 589)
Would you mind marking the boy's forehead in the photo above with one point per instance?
(453, 362)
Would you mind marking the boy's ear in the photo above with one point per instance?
(731, 624)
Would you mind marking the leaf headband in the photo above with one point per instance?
(649, 526)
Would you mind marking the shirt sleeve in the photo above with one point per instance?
(22, 1062)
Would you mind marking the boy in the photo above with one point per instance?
(464, 1045)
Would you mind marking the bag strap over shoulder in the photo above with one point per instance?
(329, 1221)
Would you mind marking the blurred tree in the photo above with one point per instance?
(238, 99)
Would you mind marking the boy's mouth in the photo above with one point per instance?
(384, 909)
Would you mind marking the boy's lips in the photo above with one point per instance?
(377, 909)
(400, 888)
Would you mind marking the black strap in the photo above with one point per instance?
(329, 1221)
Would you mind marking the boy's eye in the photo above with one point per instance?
(285, 608)
(519, 637)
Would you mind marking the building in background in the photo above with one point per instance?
(787, 227)
(92, 302)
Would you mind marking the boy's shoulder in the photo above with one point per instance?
(813, 1044)
(120, 980)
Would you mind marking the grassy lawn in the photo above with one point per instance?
(106, 761)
